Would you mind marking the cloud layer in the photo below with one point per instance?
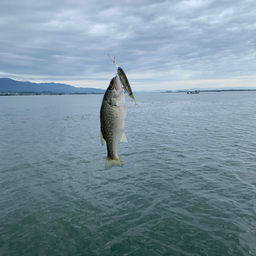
(159, 44)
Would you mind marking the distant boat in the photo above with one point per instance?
(193, 92)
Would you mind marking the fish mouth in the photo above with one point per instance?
(114, 83)
(117, 83)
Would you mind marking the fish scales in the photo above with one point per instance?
(112, 116)
(110, 119)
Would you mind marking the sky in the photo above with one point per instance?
(161, 45)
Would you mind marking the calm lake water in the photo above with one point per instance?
(187, 187)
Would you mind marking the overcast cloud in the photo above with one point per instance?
(159, 44)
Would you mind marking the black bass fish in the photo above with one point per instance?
(124, 81)
(112, 119)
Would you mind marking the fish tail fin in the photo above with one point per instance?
(112, 162)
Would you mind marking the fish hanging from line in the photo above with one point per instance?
(112, 119)
(124, 81)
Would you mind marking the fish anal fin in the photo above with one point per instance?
(112, 162)
(123, 138)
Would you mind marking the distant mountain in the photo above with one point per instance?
(9, 85)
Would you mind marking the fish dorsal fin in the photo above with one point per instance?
(123, 138)
(102, 139)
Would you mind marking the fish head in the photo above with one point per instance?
(116, 86)
(114, 90)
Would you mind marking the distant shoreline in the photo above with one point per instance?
(93, 93)
(220, 90)
(38, 93)
(10, 87)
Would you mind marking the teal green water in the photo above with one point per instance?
(187, 187)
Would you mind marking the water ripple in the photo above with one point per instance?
(187, 186)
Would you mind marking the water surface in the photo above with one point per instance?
(187, 187)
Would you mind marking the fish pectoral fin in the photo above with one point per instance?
(112, 162)
(102, 139)
(123, 138)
